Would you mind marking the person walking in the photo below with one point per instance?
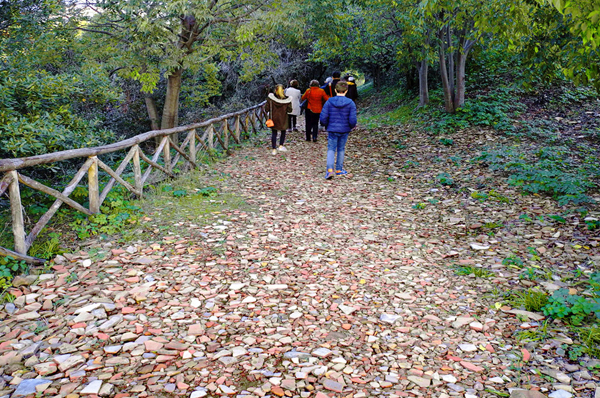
(295, 94)
(316, 98)
(330, 88)
(278, 106)
(352, 89)
(339, 118)
(327, 81)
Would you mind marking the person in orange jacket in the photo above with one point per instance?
(316, 97)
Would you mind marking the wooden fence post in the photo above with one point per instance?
(225, 134)
(236, 133)
(193, 145)
(16, 210)
(137, 171)
(211, 133)
(93, 187)
(167, 154)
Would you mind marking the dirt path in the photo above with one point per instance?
(327, 288)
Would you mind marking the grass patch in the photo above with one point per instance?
(471, 270)
(202, 203)
(531, 300)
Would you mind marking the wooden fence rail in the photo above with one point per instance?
(199, 139)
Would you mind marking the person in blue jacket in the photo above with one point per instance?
(339, 118)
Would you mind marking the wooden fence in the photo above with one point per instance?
(211, 135)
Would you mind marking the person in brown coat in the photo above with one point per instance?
(316, 98)
(278, 106)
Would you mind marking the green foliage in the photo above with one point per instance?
(446, 141)
(480, 196)
(589, 338)
(178, 193)
(472, 270)
(115, 215)
(489, 110)
(575, 308)
(419, 206)
(530, 273)
(46, 248)
(410, 164)
(9, 268)
(207, 191)
(445, 179)
(592, 225)
(580, 49)
(545, 172)
(531, 300)
(37, 114)
(513, 261)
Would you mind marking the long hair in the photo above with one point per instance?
(279, 93)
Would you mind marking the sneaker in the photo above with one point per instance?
(274, 152)
(329, 174)
(340, 172)
(282, 148)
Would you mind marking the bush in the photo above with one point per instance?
(37, 115)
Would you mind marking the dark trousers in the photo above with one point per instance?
(292, 121)
(274, 138)
(312, 125)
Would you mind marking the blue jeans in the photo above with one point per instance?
(336, 142)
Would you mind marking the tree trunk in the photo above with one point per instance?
(152, 112)
(152, 115)
(171, 109)
(459, 98)
(448, 94)
(423, 85)
(451, 58)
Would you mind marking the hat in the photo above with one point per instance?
(328, 80)
(351, 79)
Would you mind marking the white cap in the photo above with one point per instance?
(328, 80)
(351, 79)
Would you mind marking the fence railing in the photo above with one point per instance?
(208, 136)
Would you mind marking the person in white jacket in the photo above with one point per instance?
(295, 94)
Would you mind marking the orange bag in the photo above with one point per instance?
(269, 123)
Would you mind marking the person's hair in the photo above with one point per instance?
(314, 83)
(279, 91)
(346, 77)
(336, 74)
(341, 87)
(294, 83)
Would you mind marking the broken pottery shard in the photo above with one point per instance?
(143, 261)
(236, 286)
(420, 381)
(346, 309)
(276, 287)
(321, 352)
(28, 316)
(93, 388)
(467, 347)
(88, 308)
(296, 354)
(28, 387)
(112, 322)
(518, 393)
(476, 246)
(389, 318)
(531, 315)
